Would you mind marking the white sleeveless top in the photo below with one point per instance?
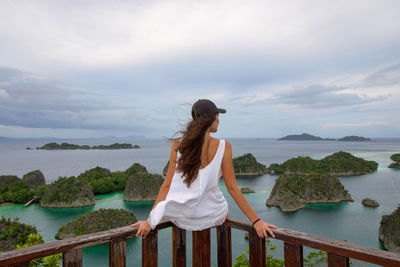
(196, 208)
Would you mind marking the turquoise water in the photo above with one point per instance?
(349, 221)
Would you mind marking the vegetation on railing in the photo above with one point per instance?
(311, 260)
(48, 261)
(12, 233)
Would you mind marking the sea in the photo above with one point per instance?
(348, 221)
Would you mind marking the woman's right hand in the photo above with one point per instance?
(263, 228)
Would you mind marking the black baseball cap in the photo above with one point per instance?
(205, 107)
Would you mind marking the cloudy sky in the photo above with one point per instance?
(96, 68)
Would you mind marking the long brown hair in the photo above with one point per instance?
(191, 145)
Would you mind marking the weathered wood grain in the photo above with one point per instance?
(178, 247)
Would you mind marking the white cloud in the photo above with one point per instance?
(86, 34)
(3, 94)
(353, 124)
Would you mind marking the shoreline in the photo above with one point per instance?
(8, 204)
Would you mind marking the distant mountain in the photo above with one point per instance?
(354, 138)
(305, 137)
(5, 138)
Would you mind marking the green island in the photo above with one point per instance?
(67, 192)
(340, 163)
(247, 165)
(370, 202)
(246, 190)
(96, 221)
(79, 191)
(103, 181)
(143, 186)
(56, 146)
(291, 192)
(310, 137)
(396, 159)
(353, 138)
(389, 231)
(304, 137)
(16, 190)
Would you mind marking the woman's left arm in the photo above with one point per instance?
(144, 226)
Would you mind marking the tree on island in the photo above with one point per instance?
(96, 221)
(67, 192)
(291, 192)
(396, 163)
(340, 163)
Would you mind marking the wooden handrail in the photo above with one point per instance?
(338, 252)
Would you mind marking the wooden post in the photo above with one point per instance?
(257, 249)
(201, 248)
(178, 247)
(335, 260)
(73, 258)
(117, 253)
(293, 254)
(150, 249)
(224, 244)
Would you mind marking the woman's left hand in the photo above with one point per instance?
(144, 228)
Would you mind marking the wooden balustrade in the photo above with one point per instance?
(338, 252)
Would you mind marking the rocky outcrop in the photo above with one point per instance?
(291, 192)
(94, 173)
(96, 221)
(247, 165)
(370, 202)
(340, 163)
(13, 189)
(395, 165)
(134, 169)
(389, 231)
(34, 178)
(143, 186)
(246, 190)
(7, 180)
(67, 192)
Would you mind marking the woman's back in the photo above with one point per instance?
(200, 206)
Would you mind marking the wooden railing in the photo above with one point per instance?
(338, 252)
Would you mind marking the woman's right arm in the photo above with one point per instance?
(230, 180)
